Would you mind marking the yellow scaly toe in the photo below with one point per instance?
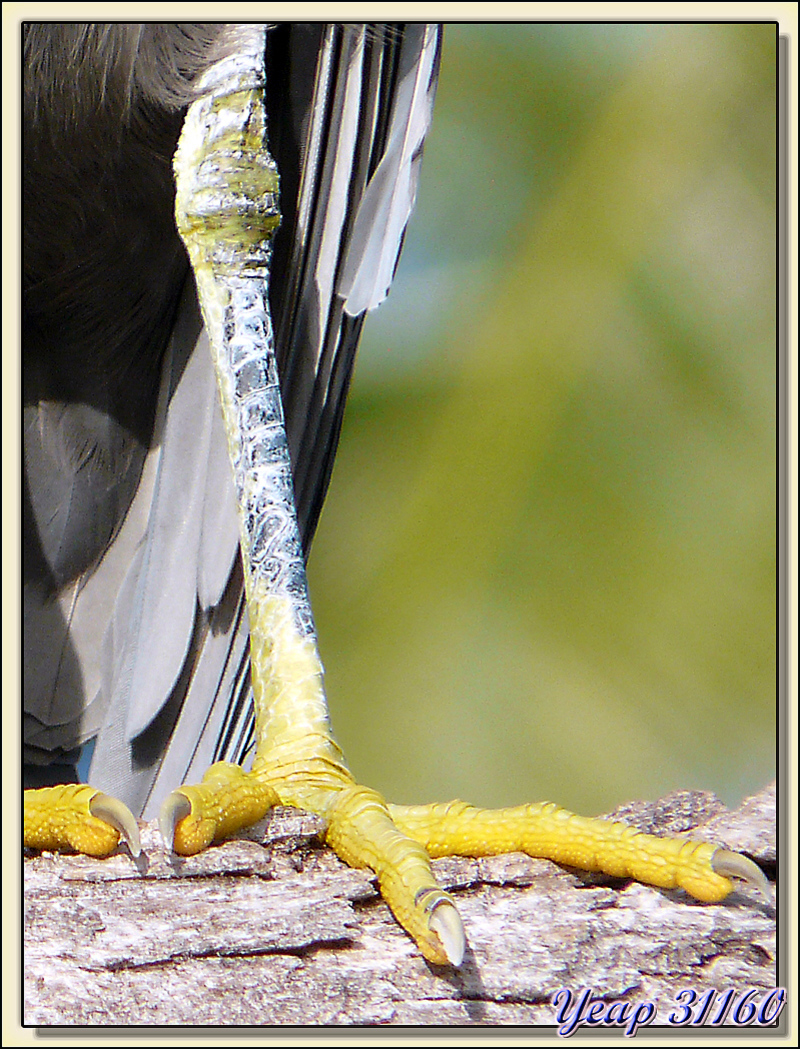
(76, 816)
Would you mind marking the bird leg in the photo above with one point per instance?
(227, 187)
(227, 212)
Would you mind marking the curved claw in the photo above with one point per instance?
(175, 808)
(118, 816)
(445, 921)
(227, 800)
(77, 817)
(734, 865)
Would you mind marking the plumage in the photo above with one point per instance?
(130, 528)
(388, 201)
(135, 626)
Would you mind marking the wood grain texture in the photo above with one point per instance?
(282, 933)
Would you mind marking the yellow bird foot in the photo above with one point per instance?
(77, 817)
(363, 834)
(360, 831)
(227, 800)
(397, 843)
(226, 211)
(547, 831)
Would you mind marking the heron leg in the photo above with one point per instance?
(225, 185)
(226, 212)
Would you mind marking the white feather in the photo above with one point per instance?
(389, 198)
(340, 182)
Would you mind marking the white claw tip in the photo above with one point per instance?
(735, 865)
(175, 808)
(445, 921)
(119, 816)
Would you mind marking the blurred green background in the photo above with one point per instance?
(546, 567)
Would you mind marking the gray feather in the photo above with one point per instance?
(165, 648)
(135, 625)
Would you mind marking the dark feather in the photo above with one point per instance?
(135, 627)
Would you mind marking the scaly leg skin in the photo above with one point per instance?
(225, 210)
(76, 816)
(227, 185)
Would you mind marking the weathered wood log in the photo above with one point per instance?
(282, 933)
